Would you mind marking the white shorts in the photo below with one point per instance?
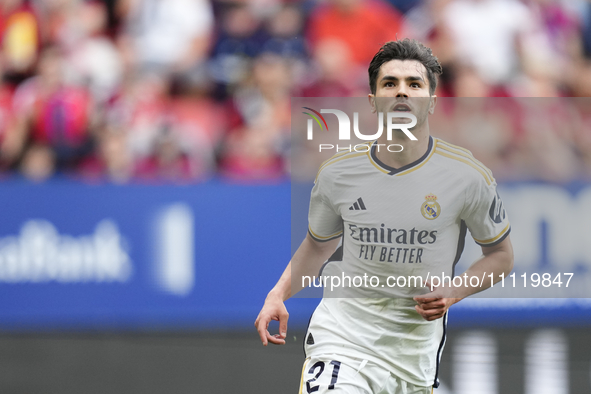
(332, 374)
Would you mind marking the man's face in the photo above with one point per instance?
(403, 85)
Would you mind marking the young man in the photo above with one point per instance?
(413, 209)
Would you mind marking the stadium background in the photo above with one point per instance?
(145, 182)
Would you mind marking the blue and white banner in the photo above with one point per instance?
(74, 256)
(204, 256)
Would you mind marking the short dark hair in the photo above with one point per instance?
(405, 49)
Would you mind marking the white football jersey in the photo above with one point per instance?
(394, 223)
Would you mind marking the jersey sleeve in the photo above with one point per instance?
(485, 214)
(324, 221)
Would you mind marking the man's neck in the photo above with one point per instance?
(411, 152)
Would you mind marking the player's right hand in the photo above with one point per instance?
(274, 309)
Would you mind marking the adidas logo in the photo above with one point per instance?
(358, 206)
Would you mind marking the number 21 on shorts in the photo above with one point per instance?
(314, 383)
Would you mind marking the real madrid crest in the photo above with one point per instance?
(431, 208)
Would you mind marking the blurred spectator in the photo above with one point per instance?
(169, 91)
(168, 36)
(239, 39)
(246, 32)
(53, 113)
(361, 25)
(334, 75)
(254, 148)
(139, 110)
(486, 126)
(157, 123)
(545, 145)
(168, 161)
(580, 80)
(92, 58)
(250, 156)
(285, 29)
(495, 37)
(111, 160)
(468, 83)
(404, 5)
(38, 163)
(582, 134)
(585, 10)
(197, 125)
(21, 36)
(485, 34)
(266, 94)
(560, 24)
(10, 144)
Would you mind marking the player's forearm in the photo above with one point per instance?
(306, 261)
(495, 264)
(282, 288)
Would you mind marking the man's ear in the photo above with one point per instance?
(432, 104)
(372, 102)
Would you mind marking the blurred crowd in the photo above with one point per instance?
(184, 90)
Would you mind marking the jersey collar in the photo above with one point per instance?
(404, 169)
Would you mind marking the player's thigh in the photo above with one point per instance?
(395, 385)
(332, 375)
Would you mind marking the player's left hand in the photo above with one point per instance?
(434, 305)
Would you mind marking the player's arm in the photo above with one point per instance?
(496, 260)
(307, 260)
